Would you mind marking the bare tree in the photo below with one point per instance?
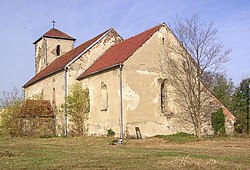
(187, 60)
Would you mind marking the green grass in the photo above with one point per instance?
(179, 137)
(152, 153)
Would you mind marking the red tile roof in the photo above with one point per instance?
(59, 63)
(55, 33)
(120, 52)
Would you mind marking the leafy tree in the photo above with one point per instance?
(221, 87)
(78, 106)
(10, 105)
(218, 122)
(240, 104)
(201, 53)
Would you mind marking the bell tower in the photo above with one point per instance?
(50, 46)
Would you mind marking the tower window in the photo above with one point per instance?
(58, 50)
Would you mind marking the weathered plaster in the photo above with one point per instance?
(100, 121)
(132, 98)
(45, 51)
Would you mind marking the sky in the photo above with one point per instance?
(23, 21)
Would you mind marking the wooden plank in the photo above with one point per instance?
(138, 133)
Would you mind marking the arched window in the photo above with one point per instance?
(58, 50)
(104, 97)
(167, 99)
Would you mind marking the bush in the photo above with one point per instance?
(10, 105)
(110, 133)
(78, 106)
(218, 122)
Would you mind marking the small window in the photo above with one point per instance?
(58, 50)
(54, 96)
(42, 94)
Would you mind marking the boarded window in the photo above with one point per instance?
(104, 97)
(58, 50)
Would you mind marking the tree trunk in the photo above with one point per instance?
(198, 128)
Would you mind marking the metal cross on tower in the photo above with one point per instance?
(53, 22)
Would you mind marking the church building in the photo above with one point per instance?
(128, 87)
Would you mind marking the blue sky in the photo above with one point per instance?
(24, 21)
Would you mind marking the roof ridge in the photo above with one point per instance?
(162, 24)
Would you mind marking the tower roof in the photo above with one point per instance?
(55, 33)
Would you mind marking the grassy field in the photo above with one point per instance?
(152, 153)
